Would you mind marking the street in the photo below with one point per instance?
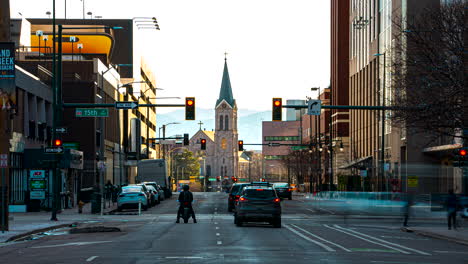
(309, 235)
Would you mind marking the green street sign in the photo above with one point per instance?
(71, 145)
(92, 112)
(212, 179)
(243, 179)
(299, 147)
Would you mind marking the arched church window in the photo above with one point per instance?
(226, 119)
(223, 143)
(220, 122)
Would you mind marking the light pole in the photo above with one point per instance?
(382, 149)
(317, 121)
(164, 135)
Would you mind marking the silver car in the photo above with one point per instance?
(130, 197)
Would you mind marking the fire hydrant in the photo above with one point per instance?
(80, 207)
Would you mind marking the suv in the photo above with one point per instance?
(283, 190)
(234, 195)
(260, 204)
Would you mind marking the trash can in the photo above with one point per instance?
(95, 203)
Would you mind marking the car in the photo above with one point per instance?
(147, 192)
(234, 194)
(158, 188)
(163, 194)
(258, 204)
(283, 190)
(130, 197)
(155, 195)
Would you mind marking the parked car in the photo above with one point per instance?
(283, 190)
(258, 204)
(147, 192)
(158, 188)
(155, 195)
(163, 194)
(234, 194)
(130, 197)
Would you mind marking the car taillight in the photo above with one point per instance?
(277, 200)
(141, 194)
(289, 189)
(242, 199)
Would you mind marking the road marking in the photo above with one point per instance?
(327, 248)
(313, 211)
(326, 210)
(370, 241)
(219, 242)
(217, 227)
(73, 244)
(217, 234)
(449, 252)
(324, 240)
(216, 223)
(91, 258)
(184, 257)
(384, 241)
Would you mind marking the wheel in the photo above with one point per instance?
(185, 220)
(277, 223)
(119, 209)
(235, 220)
(145, 208)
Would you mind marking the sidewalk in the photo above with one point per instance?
(23, 224)
(459, 236)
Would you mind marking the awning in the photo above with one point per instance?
(356, 162)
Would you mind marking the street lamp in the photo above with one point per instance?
(164, 136)
(382, 151)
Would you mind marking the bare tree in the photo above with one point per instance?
(428, 75)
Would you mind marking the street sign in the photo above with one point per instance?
(167, 142)
(92, 112)
(37, 174)
(53, 150)
(412, 181)
(71, 145)
(314, 107)
(37, 195)
(61, 130)
(212, 179)
(126, 105)
(271, 144)
(299, 147)
(3, 160)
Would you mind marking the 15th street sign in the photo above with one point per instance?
(126, 105)
(92, 112)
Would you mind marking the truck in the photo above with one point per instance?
(154, 170)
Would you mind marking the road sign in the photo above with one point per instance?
(167, 142)
(71, 145)
(212, 179)
(61, 130)
(53, 150)
(299, 147)
(412, 181)
(92, 112)
(37, 195)
(271, 144)
(3, 160)
(126, 105)
(314, 107)
(37, 174)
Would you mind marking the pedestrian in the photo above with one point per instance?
(409, 201)
(452, 206)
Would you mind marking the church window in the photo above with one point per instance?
(223, 143)
(226, 119)
(223, 160)
(220, 122)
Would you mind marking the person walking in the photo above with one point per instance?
(409, 201)
(452, 206)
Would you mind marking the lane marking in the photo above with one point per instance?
(217, 234)
(370, 241)
(184, 257)
(320, 238)
(327, 248)
(73, 244)
(91, 258)
(449, 252)
(312, 210)
(326, 210)
(219, 242)
(216, 223)
(217, 227)
(385, 241)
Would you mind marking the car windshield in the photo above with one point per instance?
(281, 185)
(259, 193)
(236, 189)
(131, 189)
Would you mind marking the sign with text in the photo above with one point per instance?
(314, 107)
(37, 174)
(92, 112)
(126, 105)
(37, 195)
(7, 75)
(53, 150)
(412, 181)
(37, 184)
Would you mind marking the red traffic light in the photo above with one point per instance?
(277, 103)
(462, 152)
(203, 141)
(189, 102)
(57, 143)
(263, 179)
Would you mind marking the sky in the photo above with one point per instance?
(275, 48)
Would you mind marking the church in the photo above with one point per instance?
(221, 157)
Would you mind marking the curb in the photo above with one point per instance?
(40, 230)
(437, 236)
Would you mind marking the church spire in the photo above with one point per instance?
(226, 91)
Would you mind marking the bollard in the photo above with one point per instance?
(139, 207)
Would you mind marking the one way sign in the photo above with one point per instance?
(314, 107)
(126, 105)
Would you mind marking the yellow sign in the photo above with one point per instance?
(412, 181)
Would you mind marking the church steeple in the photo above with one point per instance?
(226, 91)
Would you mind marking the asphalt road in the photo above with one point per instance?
(309, 235)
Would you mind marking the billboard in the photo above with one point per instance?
(7, 75)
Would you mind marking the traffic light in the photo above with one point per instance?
(462, 152)
(203, 143)
(57, 142)
(218, 178)
(186, 140)
(277, 109)
(234, 179)
(263, 180)
(189, 108)
(241, 145)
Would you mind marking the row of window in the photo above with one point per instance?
(226, 123)
(283, 138)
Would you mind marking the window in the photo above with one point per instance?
(226, 126)
(282, 138)
(220, 122)
(32, 129)
(223, 143)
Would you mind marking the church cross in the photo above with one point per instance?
(200, 123)
(225, 55)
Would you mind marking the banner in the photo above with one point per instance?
(7, 75)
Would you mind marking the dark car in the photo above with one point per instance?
(234, 195)
(258, 204)
(283, 190)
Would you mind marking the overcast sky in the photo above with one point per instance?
(276, 48)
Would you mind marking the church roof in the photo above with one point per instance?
(226, 91)
(210, 134)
